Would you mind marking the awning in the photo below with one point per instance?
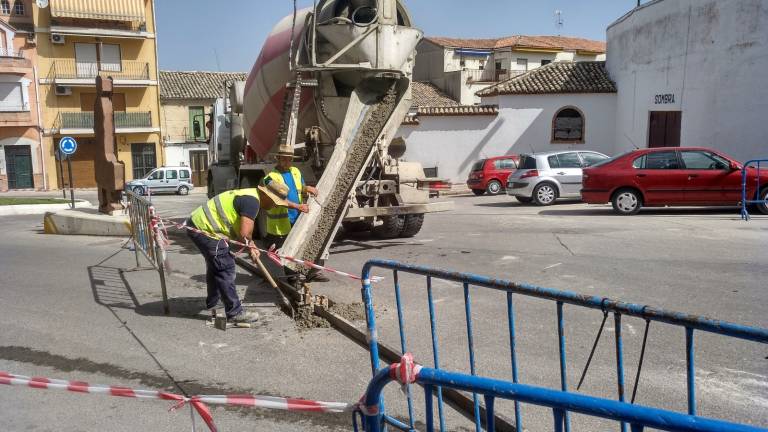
(108, 10)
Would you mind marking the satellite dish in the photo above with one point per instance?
(42, 4)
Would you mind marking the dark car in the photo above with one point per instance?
(490, 175)
(685, 176)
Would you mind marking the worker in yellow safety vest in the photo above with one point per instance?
(231, 215)
(280, 220)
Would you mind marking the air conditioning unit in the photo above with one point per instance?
(63, 91)
(57, 39)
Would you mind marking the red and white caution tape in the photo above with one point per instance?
(271, 253)
(199, 403)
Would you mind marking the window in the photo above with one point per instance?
(18, 7)
(553, 162)
(171, 175)
(592, 158)
(110, 58)
(522, 64)
(156, 175)
(661, 160)
(5, 7)
(478, 166)
(527, 162)
(568, 126)
(545, 62)
(12, 97)
(639, 163)
(569, 160)
(502, 164)
(184, 175)
(699, 160)
(144, 159)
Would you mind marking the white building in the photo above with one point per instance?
(692, 73)
(462, 67)
(560, 106)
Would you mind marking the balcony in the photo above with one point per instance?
(125, 73)
(13, 62)
(124, 18)
(479, 75)
(81, 123)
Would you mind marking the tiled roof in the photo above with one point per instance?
(195, 85)
(523, 41)
(429, 100)
(558, 77)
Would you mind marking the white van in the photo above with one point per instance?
(176, 180)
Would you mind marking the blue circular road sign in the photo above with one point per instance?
(68, 145)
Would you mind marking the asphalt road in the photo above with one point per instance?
(72, 310)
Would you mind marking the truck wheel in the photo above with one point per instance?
(391, 227)
(412, 225)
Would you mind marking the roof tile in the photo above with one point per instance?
(564, 43)
(558, 77)
(195, 85)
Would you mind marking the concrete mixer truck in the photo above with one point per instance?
(333, 80)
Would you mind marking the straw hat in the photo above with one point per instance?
(285, 150)
(277, 192)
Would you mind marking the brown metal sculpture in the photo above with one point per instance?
(110, 172)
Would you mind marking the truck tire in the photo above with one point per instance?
(391, 227)
(412, 225)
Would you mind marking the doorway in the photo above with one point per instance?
(664, 129)
(18, 163)
(198, 162)
(144, 159)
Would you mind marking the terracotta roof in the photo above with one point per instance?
(563, 43)
(558, 77)
(429, 95)
(429, 100)
(195, 85)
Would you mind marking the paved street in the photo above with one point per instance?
(74, 308)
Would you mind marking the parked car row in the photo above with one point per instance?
(684, 176)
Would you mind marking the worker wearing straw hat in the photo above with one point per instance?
(231, 215)
(280, 220)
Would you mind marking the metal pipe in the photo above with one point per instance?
(563, 371)
(403, 344)
(690, 371)
(471, 344)
(619, 362)
(435, 351)
(513, 355)
(696, 322)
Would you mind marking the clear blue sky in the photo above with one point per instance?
(191, 32)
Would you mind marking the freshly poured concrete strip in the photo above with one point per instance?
(86, 222)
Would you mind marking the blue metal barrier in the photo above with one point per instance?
(650, 314)
(745, 199)
(638, 417)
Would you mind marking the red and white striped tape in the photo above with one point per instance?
(199, 403)
(272, 253)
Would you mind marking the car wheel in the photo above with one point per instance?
(494, 187)
(544, 194)
(524, 200)
(478, 192)
(138, 190)
(183, 190)
(627, 202)
(763, 207)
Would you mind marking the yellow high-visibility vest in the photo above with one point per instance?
(277, 218)
(218, 217)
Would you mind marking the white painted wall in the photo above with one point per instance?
(177, 154)
(710, 54)
(524, 124)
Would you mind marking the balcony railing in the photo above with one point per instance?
(123, 120)
(10, 52)
(479, 75)
(125, 70)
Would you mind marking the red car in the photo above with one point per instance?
(686, 176)
(490, 175)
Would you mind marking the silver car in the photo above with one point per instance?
(544, 177)
(165, 179)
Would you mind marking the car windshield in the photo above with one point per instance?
(609, 160)
(478, 166)
(527, 162)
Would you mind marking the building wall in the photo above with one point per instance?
(430, 63)
(21, 127)
(136, 52)
(710, 55)
(176, 129)
(524, 125)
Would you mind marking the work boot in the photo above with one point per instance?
(245, 317)
(315, 275)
